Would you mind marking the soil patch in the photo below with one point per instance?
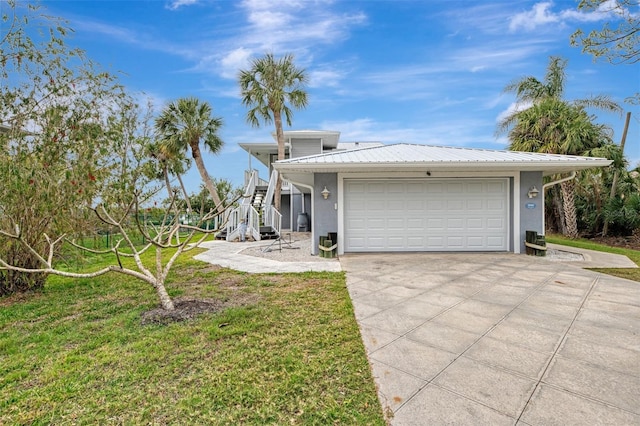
(627, 242)
(187, 309)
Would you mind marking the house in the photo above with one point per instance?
(407, 197)
(295, 199)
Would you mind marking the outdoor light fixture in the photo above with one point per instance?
(325, 192)
(533, 192)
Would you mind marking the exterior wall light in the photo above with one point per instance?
(533, 192)
(325, 193)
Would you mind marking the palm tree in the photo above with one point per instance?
(170, 163)
(550, 124)
(182, 125)
(268, 88)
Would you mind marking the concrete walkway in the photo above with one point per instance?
(488, 339)
(228, 255)
(595, 259)
(493, 339)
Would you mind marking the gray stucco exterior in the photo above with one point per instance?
(325, 215)
(531, 209)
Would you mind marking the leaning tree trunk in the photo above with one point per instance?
(280, 138)
(614, 184)
(558, 212)
(197, 158)
(568, 201)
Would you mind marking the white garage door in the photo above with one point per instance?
(426, 215)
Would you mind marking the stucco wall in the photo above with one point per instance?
(531, 209)
(296, 209)
(325, 218)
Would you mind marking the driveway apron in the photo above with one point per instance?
(497, 339)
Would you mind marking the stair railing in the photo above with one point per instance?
(250, 188)
(248, 213)
(273, 218)
(245, 211)
(268, 199)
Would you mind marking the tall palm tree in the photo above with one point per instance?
(170, 163)
(545, 122)
(556, 127)
(268, 88)
(182, 125)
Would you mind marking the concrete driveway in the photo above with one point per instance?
(493, 339)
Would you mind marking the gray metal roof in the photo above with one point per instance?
(409, 156)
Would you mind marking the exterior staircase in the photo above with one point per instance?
(262, 219)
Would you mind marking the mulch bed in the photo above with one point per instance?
(627, 242)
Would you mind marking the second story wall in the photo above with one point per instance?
(304, 147)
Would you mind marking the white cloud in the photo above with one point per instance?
(541, 14)
(326, 77)
(177, 4)
(235, 60)
(297, 25)
(511, 109)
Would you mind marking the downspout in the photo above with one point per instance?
(548, 185)
(313, 228)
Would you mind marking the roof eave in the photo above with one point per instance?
(547, 167)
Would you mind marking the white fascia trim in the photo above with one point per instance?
(423, 175)
(340, 214)
(547, 166)
(516, 213)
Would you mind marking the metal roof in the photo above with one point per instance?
(412, 156)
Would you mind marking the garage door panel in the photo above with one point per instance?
(475, 205)
(415, 243)
(434, 188)
(496, 187)
(415, 224)
(495, 205)
(475, 223)
(475, 242)
(456, 205)
(496, 242)
(455, 242)
(356, 224)
(373, 205)
(435, 224)
(496, 223)
(376, 224)
(396, 243)
(426, 215)
(455, 224)
(396, 205)
(414, 188)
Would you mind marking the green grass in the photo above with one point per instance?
(633, 255)
(291, 353)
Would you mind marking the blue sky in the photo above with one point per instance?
(429, 72)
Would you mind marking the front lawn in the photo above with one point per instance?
(628, 273)
(285, 350)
